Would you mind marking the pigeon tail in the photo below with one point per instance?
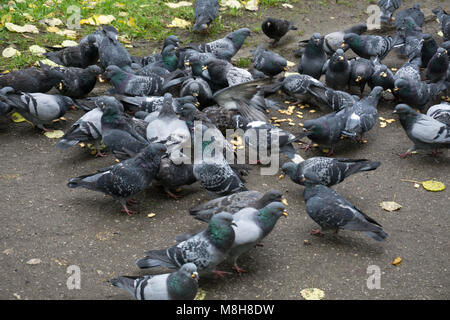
(377, 235)
(65, 144)
(126, 283)
(155, 258)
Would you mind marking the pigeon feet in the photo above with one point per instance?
(307, 147)
(260, 244)
(316, 232)
(221, 274)
(435, 153)
(128, 211)
(403, 155)
(99, 154)
(238, 269)
(172, 195)
(130, 202)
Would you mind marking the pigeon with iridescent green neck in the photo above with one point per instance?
(314, 57)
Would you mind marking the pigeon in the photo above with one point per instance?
(38, 108)
(179, 285)
(112, 52)
(198, 88)
(252, 226)
(173, 176)
(415, 13)
(87, 104)
(440, 112)
(409, 71)
(438, 66)
(212, 170)
(369, 46)
(86, 129)
(417, 94)
(236, 202)
(363, 115)
(254, 131)
(334, 40)
(221, 117)
(424, 131)
(125, 179)
(227, 47)
(119, 134)
(407, 29)
(429, 48)
(32, 80)
(100, 33)
(81, 56)
(154, 103)
(329, 100)
(387, 8)
(360, 73)
(337, 71)
(444, 20)
(276, 28)
(268, 62)
(4, 108)
(152, 69)
(223, 74)
(332, 212)
(169, 59)
(205, 13)
(313, 58)
(382, 76)
(326, 171)
(78, 82)
(206, 249)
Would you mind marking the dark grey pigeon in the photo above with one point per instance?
(444, 20)
(268, 62)
(235, 202)
(334, 40)
(363, 115)
(227, 47)
(173, 176)
(87, 104)
(369, 46)
(81, 56)
(153, 103)
(78, 82)
(276, 28)
(221, 117)
(252, 226)
(332, 213)
(429, 48)
(407, 29)
(223, 74)
(205, 249)
(426, 132)
(39, 108)
(417, 94)
(388, 7)
(125, 179)
(198, 88)
(438, 66)
(179, 285)
(327, 171)
(151, 69)
(415, 13)
(337, 71)
(382, 76)
(313, 58)
(112, 52)
(333, 100)
(32, 80)
(440, 112)
(360, 73)
(205, 13)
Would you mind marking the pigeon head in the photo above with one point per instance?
(94, 70)
(269, 215)
(441, 52)
(289, 168)
(316, 40)
(196, 66)
(220, 230)
(190, 270)
(183, 284)
(194, 88)
(239, 122)
(111, 114)
(353, 40)
(167, 107)
(238, 37)
(171, 40)
(92, 40)
(376, 93)
(187, 111)
(404, 110)
(338, 59)
(312, 128)
(272, 196)
(170, 57)
(115, 74)
(158, 148)
(401, 86)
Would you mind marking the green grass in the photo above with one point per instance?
(150, 22)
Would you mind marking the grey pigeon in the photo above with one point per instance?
(313, 58)
(125, 179)
(276, 28)
(221, 117)
(81, 56)
(198, 88)
(429, 48)
(39, 108)
(112, 52)
(173, 176)
(326, 171)
(329, 100)
(205, 13)
(360, 73)
(332, 212)
(440, 112)
(369, 46)
(415, 13)
(153, 103)
(388, 7)
(363, 115)
(252, 226)
(382, 76)
(179, 285)
(334, 40)
(223, 74)
(407, 29)
(417, 94)
(78, 82)
(32, 79)
(337, 71)
(438, 66)
(226, 47)
(444, 20)
(424, 131)
(206, 249)
(87, 104)
(268, 62)
(235, 202)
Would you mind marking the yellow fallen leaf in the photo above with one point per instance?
(201, 294)
(179, 23)
(47, 62)
(312, 294)
(434, 186)
(397, 261)
(102, 19)
(119, 5)
(69, 43)
(178, 4)
(291, 64)
(287, 5)
(53, 22)
(390, 206)
(383, 124)
(287, 74)
(151, 215)
(71, 34)
(390, 121)
(252, 5)
(28, 16)
(53, 29)
(55, 134)
(34, 261)
(440, 34)
(10, 52)
(123, 14)
(17, 117)
(37, 50)
(131, 22)
(234, 4)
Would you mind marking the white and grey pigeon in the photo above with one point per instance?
(388, 7)
(125, 179)
(179, 285)
(440, 112)
(39, 108)
(205, 249)
(205, 13)
(333, 41)
(327, 171)
(371, 47)
(424, 131)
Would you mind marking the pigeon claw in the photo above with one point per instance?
(221, 274)
(316, 232)
(128, 211)
(238, 269)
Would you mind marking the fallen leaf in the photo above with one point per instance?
(252, 5)
(55, 134)
(151, 215)
(34, 261)
(234, 4)
(434, 186)
(47, 62)
(397, 261)
(287, 74)
(21, 29)
(390, 206)
(53, 29)
(105, 19)
(201, 294)
(131, 22)
(312, 294)
(69, 43)
(178, 4)
(440, 34)
(291, 64)
(28, 16)
(37, 50)
(8, 251)
(71, 34)
(52, 22)
(287, 5)
(179, 23)
(17, 117)
(104, 235)
(383, 124)
(390, 121)
(10, 52)
(17, 296)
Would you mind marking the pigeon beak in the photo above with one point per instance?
(100, 78)
(60, 86)
(286, 69)
(197, 104)
(341, 58)
(187, 63)
(285, 213)
(383, 74)
(195, 276)
(396, 89)
(284, 201)
(204, 68)
(281, 177)
(343, 45)
(195, 94)
(233, 223)
(358, 79)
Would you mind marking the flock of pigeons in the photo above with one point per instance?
(210, 90)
